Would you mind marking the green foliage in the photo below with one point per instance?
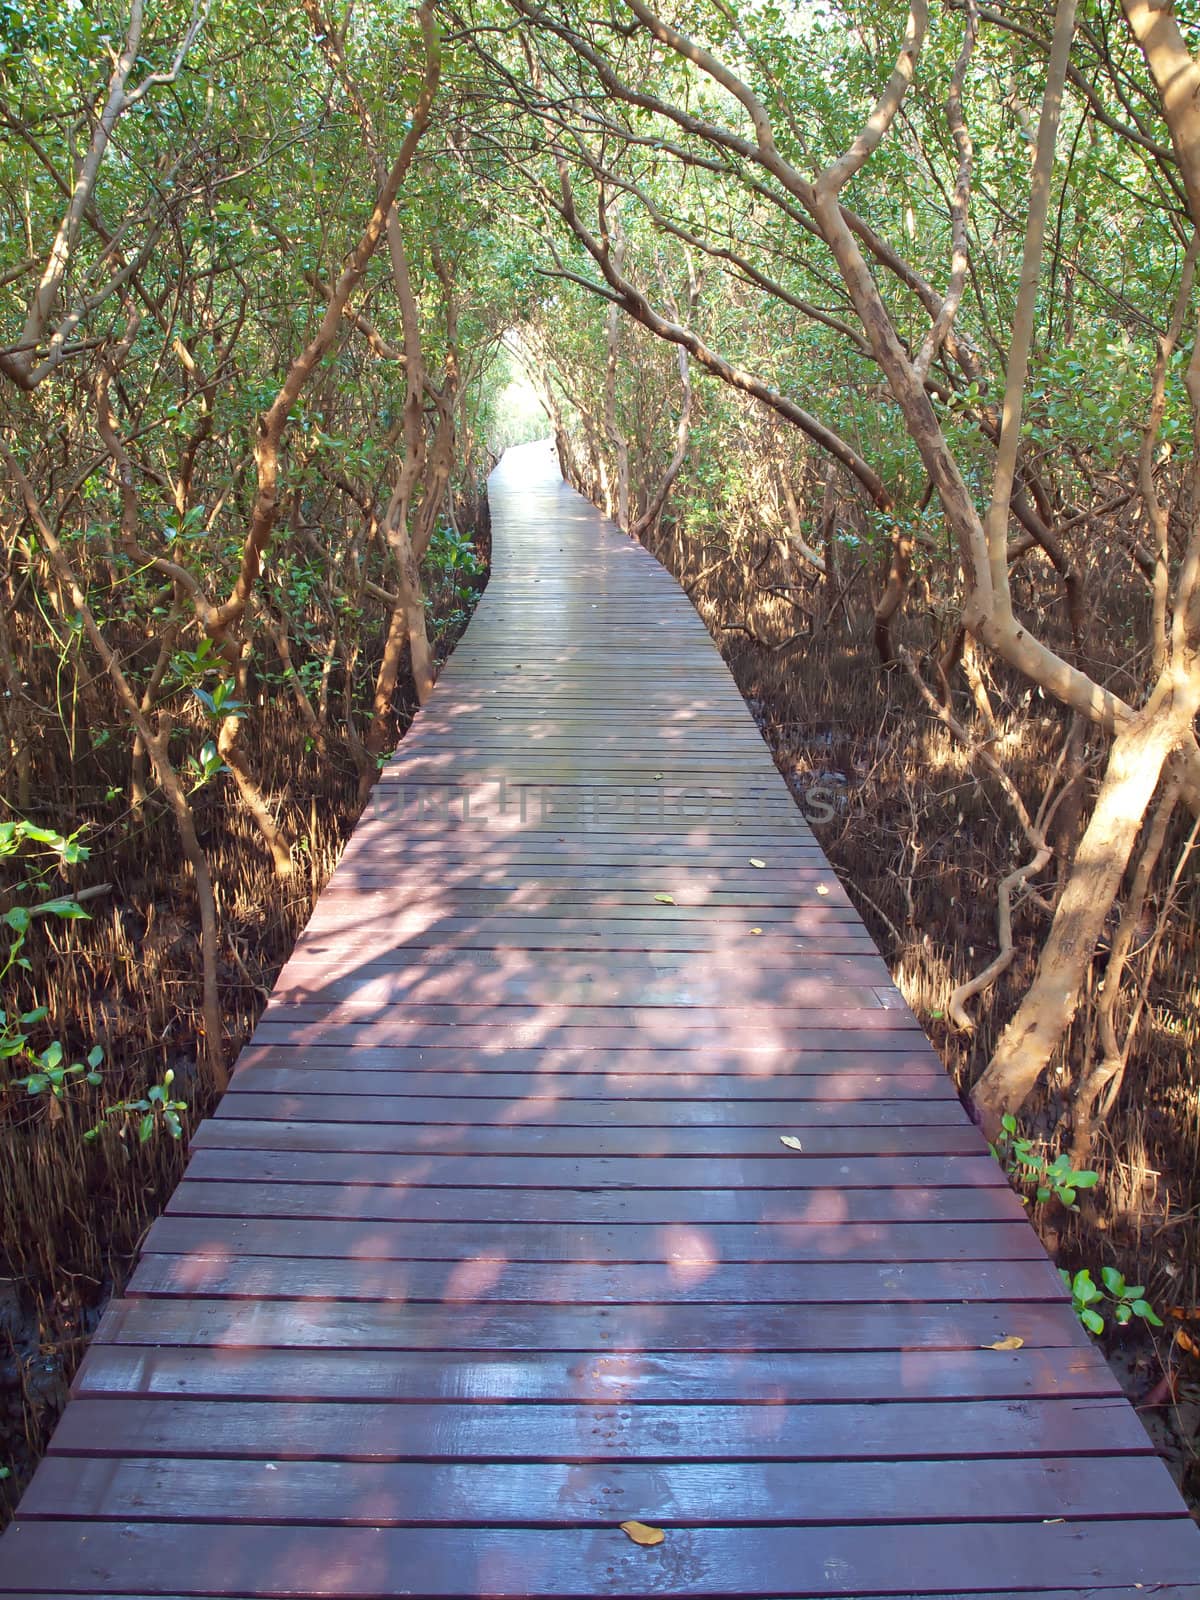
(1092, 1302)
(220, 701)
(38, 852)
(451, 553)
(1043, 1179)
(1035, 1172)
(454, 567)
(206, 766)
(154, 1112)
(52, 1077)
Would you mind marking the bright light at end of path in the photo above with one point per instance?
(516, 412)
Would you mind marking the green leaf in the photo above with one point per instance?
(1082, 1287)
(66, 908)
(1092, 1321)
(146, 1127)
(41, 835)
(1143, 1309)
(1114, 1281)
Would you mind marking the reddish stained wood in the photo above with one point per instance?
(742, 1377)
(322, 1097)
(598, 1172)
(603, 1021)
(115, 1558)
(614, 1430)
(179, 1233)
(382, 1494)
(383, 1136)
(365, 1325)
(675, 1037)
(478, 1280)
(565, 1074)
(275, 1196)
(493, 1243)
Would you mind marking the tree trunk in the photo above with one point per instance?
(1044, 1015)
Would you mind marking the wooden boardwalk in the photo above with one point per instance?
(494, 1241)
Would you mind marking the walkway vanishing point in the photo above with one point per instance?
(494, 1242)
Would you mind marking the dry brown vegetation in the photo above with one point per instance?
(72, 1212)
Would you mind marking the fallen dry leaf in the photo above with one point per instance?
(821, 889)
(1013, 1342)
(665, 899)
(643, 1533)
(755, 930)
(755, 862)
(791, 1141)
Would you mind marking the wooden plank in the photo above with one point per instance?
(366, 1325)
(264, 1094)
(477, 934)
(381, 986)
(564, 1078)
(743, 1377)
(1162, 1591)
(293, 1025)
(716, 968)
(614, 1023)
(612, 1431)
(449, 1240)
(264, 1195)
(114, 1558)
(478, 1279)
(381, 1136)
(550, 1494)
(597, 1172)
(849, 1071)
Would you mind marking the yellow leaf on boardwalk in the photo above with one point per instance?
(1013, 1342)
(665, 899)
(791, 1141)
(755, 862)
(643, 1533)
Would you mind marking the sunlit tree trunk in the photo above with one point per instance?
(1025, 1049)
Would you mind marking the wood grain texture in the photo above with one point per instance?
(494, 1243)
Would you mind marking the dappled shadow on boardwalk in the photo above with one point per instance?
(496, 1241)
